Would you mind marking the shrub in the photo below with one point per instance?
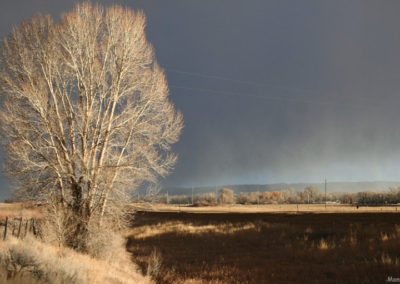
(102, 238)
(9, 200)
(205, 199)
(180, 199)
(226, 196)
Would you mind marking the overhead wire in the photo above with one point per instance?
(263, 97)
(240, 81)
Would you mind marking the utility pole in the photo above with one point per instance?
(216, 200)
(325, 192)
(167, 198)
(192, 195)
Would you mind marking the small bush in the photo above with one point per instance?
(180, 199)
(9, 200)
(205, 198)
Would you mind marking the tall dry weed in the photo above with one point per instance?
(36, 260)
(101, 238)
(154, 264)
(32, 259)
(388, 260)
(323, 245)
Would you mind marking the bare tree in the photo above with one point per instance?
(85, 113)
(226, 196)
(312, 193)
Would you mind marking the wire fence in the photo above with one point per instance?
(18, 227)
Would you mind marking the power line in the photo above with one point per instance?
(270, 98)
(240, 81)
(251, 83)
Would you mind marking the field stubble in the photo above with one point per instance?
(266, 247)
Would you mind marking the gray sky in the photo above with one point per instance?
(273, 91)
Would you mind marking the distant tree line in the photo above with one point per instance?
(308, 195)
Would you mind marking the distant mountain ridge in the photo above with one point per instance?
(331, 187)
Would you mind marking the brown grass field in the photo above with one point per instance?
(257, 244)
(266, 208)
(20, 209)
(254, 246)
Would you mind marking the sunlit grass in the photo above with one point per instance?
(270, 208)
(36, 261)
(148, 231)
(25, 210)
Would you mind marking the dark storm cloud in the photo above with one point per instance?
(273, 90)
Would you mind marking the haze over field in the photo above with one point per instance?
(272, 91)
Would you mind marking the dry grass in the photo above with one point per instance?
(33, 260)
(177, 227)
(267, 208)
(323, 245)
(268, 248)
(20, 209)
(388, 260)
(17, 279)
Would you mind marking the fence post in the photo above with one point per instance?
(19, 227)
(5, 228)
(33, 226)
(26, 227)
(13, 227)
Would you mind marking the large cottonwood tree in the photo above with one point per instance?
(85, 113)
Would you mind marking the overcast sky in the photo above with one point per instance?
(272, 91)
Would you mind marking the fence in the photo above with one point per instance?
(20, 227)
